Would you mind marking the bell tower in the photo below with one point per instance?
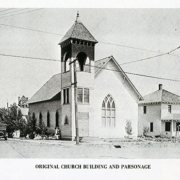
(77, 46)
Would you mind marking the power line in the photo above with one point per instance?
(26, 57)
(131, 47)
(13, 11)
(45, 59)
(48, 59)
(22, 13)
(31, 29)
(143, 75)
(151, 57)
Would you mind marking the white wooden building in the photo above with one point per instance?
(160, 112)
(106, 98)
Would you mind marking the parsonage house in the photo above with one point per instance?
(160, 111)
(106, 98)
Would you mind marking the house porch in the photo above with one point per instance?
(170, 125)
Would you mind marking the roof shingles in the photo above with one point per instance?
(161, 96)
(48, 90)
(78, 31)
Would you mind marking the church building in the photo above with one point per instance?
(105, 96)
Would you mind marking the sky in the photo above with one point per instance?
(156, 31)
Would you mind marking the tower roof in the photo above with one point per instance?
(78, 31)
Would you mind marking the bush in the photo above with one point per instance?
(128, 127)
(145, 130)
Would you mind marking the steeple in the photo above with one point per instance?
(79, 32)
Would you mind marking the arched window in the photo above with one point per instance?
(83, 62)
(66, 120)
(34, 121)
(108, 112)
(40, 118)
(66, 62)
(48, 119)
(57, 119)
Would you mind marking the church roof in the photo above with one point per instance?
(48, 91)
(100, 63)
(78, 31)
(161, 96)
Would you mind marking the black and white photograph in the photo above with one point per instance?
(92, 85)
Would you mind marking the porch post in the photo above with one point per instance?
(172, 128)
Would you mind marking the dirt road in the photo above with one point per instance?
(57, 149)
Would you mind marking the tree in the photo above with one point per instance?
(31, 127)
(12, 117)
(145, 130)
(42, 128)
(128, 127)
(22, 126)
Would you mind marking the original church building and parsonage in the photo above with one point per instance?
(106, 97)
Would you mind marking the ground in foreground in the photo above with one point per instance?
(102, 150)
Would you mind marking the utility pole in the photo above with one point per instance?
(75, 102)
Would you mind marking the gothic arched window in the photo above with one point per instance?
(57, 119)
(108, 112)
(34, 121)
(40, 118)
(48, 119)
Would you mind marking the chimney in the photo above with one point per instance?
(160, 86)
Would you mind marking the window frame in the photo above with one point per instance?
(66, 96)
(48, 119)
(167, 126)
(87, 94)
(66, 120)
(144, 109)
(57, 119)
(169, 108)
(40, 118)
(80, 93)
(151, 126)
(83, 95)
(34, 120)
(108, 113)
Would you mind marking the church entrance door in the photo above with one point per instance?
(83, 120)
